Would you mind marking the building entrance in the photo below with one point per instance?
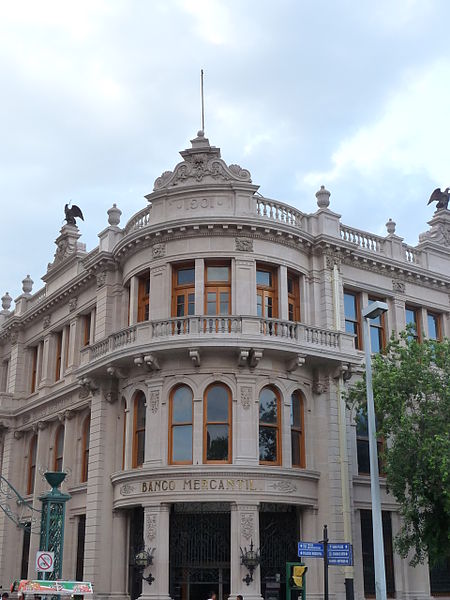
(199, 554)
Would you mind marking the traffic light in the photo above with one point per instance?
(296, 581)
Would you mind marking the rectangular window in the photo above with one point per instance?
(352, 311)
(183, 291)
(367, 552)
(34, 358)
(217, 290)
(434, 326)
(143, 298)
(86, 329)
(412, 319)
(25, 551)
(58, 351)
(440, 578)
(266, 292)
(293, 297)
(362, 446)
(377, 330)
(81, 536)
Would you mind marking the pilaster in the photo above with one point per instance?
(156, 428)
(199, 286)
(244, 531)
(156, 535)
(245, 419)
(245, 288)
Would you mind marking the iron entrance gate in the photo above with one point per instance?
(199, 551)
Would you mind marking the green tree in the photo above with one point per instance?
(411, 383)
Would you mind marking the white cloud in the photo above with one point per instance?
(212, 20)
(412, 134)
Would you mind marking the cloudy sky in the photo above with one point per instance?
(98, 96)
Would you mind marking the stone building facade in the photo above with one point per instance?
(187, 373)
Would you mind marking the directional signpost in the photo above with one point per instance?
(338, 554)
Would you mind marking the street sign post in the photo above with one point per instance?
(310, 549)
(340, 554)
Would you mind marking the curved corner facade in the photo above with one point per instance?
(188, 374)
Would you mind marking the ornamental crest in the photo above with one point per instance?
(158, 250)
(286, 487)
(246, 397)
(127, 489)
(244, 244)
(247, 525)
(398, 286)
(154, 401)
(150, 527)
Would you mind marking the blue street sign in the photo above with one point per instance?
(310, 549)
(340, 554)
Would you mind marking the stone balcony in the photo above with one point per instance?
(248, 336)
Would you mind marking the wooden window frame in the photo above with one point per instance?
(138, 396)
(416, 311)
(438, 319)
(382, 327)
(206, 423)
(217, 286)
(298, 396)
(143, 310)
(358, 318)
(294, 297)
(85, 449)
(58, 457)
(58, 355)
(32, 465)
(34, 359)
(185, 288)
(268, 291)
(172, 426)
(277, 427)
(367, 550)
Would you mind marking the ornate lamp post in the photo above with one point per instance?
(142, 560)
(250, 559)
(52, 521)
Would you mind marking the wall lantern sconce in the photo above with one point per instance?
(250, 559)
(142, 560)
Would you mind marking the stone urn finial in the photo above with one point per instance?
(114, 215)
(27, 285)
(6, 301)
(390, 226)
(323, 197)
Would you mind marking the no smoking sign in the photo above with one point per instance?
(45, 561)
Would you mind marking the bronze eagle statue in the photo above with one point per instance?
(440, 197)
(71, 213)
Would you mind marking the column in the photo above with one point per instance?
(8, 531)
(245, 288)
(199, 286)
(160, 300)
(245, 422)
(156, 433)
(16, 372)
(46, 378)
(282, 293)
(156, 536)
(70, 461)
(105, 305)
(134, 286)
(244, 531)
(74, 343)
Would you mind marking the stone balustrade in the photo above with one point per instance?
(411, 254)
(37, 298)
(139, 220)
(364, 240)
(242, 330)
(278, 211)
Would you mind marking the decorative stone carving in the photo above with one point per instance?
(114, 215)
(111, 396)
(18, 435)
(194, 355)
(247, 525)
(46, 321)
(244, 244)
(398, 286)
(246, 397)
(154, 401)
(101, 279)
(27, 285)
(243, 356)
(150, 527)
(6, 301)
(127, 489)
(286, 487)
(254, 357)
(73, 304)
(319, 386)
(14, 336)
(294, 363)
(390, 226)
(323, 197)
(333, 260)
(201, 163)
(158, 250)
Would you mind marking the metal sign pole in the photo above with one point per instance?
(325, 562)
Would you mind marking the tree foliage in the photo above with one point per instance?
(411, 383)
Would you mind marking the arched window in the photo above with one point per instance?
(59, 449)
(217, 424)
(85, 449)
(180, 419)
(139, 429)
(269, 427)
(32, 464)
(297, 430)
